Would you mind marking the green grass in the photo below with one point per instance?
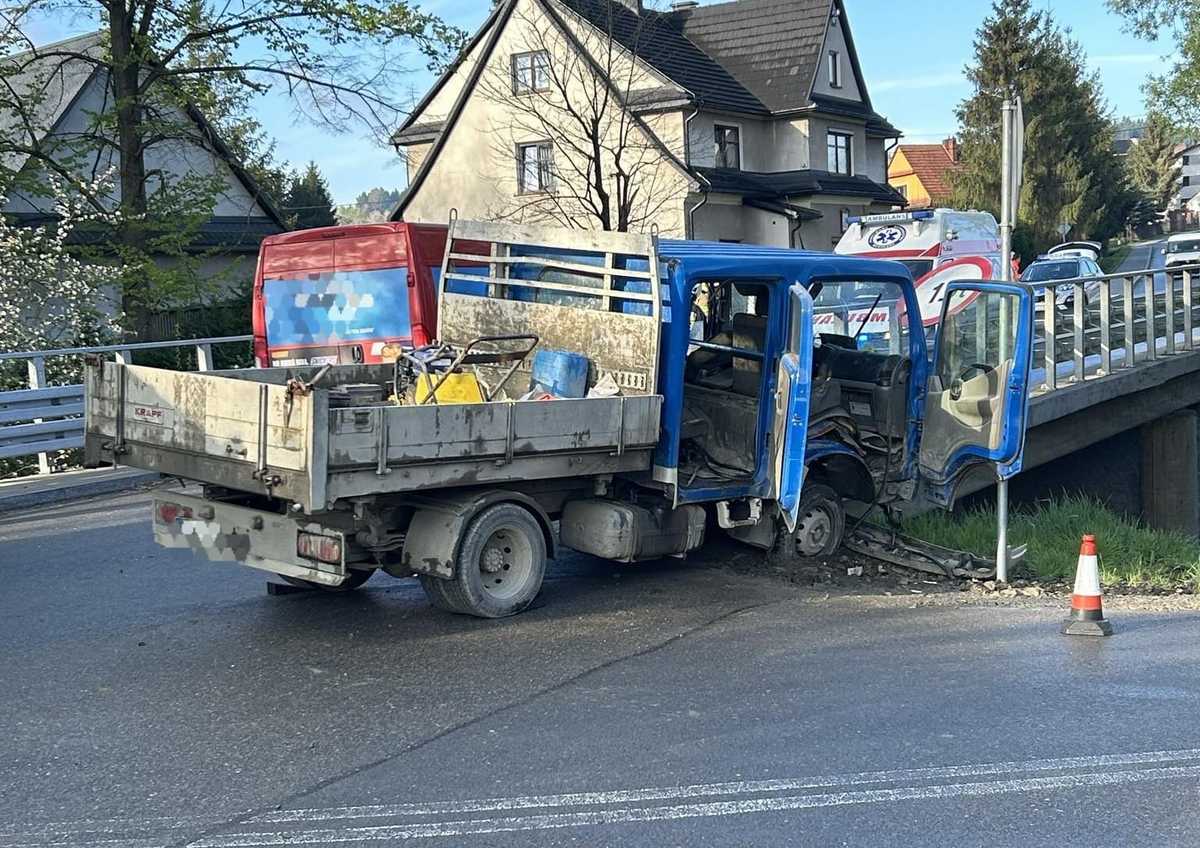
(1129, 551)
(1110, 262)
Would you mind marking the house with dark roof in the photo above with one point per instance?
(52, 100)
(741, 121)
(922, 172)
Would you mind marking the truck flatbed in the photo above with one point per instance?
(257, 431)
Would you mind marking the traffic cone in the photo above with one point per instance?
(1087, 607)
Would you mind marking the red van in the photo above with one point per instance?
(340, 294)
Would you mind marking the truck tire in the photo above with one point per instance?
(500, 565)
(820, 522)
(355, 577)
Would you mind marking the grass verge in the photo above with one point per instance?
(1109, 263)
(1130, 552)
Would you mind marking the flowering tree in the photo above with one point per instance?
(49, 296)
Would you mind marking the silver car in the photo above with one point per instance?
(1047, 269)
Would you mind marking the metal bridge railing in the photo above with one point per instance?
(42, 418)
(1113, 321)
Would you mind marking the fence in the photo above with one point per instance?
(42, 419)
(1113, 321)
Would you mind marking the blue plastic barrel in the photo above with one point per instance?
(561, 373)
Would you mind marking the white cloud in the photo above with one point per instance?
(946, 78)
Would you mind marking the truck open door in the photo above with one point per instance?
(977, 397)
(793, 390)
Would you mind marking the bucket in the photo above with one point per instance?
(561, 373)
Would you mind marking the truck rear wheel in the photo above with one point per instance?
(820, 523)
(500, 565)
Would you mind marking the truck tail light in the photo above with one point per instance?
(321, 548)
(168, 513)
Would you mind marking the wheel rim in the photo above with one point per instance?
(813, 531)
(505, 563)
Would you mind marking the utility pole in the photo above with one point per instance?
(1012, 144)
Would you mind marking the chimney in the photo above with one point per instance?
(951, 146)
(683, 5)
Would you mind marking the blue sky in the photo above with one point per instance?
(912, 55)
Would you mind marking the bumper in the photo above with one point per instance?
(263, 540)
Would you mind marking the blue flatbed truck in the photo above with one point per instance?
(713, 401)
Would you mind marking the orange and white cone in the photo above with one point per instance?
(1087, 605)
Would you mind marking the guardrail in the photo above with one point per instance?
(1105, 323)
(42, 418)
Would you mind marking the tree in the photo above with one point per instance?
(1071, 174)
(162, 60)
(575, 89)
(369, 206)
(1143, 216)
(49, 297)
(1153, 163)
(1175, 93)
(308, 202)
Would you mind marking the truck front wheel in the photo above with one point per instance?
(820, 523)
(500, 565)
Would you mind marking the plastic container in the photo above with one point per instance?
(561, 373)
(457, 388)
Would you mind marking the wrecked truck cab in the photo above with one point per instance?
(758, 389)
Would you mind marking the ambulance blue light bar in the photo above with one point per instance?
(891, 217)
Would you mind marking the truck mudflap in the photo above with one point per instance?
(263, 540)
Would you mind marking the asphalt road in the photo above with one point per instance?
(1145, 256)
(152, 700)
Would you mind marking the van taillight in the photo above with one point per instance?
(260, 352)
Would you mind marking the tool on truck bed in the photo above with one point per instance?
(414, 372)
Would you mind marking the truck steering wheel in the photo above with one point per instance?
(956, 386)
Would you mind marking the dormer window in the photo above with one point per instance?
(728, 146)
(835, 69)
(530, 72)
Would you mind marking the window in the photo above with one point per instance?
(728, 146)
(835, 69)
(838, 146)
(535, 167)
(871, 314)
(530, 72)
(1187, 160)
(903, 189)
(1187, 181)
(844, 221)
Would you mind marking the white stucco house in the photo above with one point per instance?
(746, 121)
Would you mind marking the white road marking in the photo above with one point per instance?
(705, 800)
(745, 787)
(548, 821)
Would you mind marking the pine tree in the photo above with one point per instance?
(1070, 172)
(309, 203)
(1152, 162)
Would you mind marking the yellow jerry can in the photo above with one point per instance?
(457, 388)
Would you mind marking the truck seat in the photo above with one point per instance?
(749, 333)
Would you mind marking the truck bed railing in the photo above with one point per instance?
(594, 293)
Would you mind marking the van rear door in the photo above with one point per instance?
(338, 295)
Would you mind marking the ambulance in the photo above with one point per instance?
(938, 246)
